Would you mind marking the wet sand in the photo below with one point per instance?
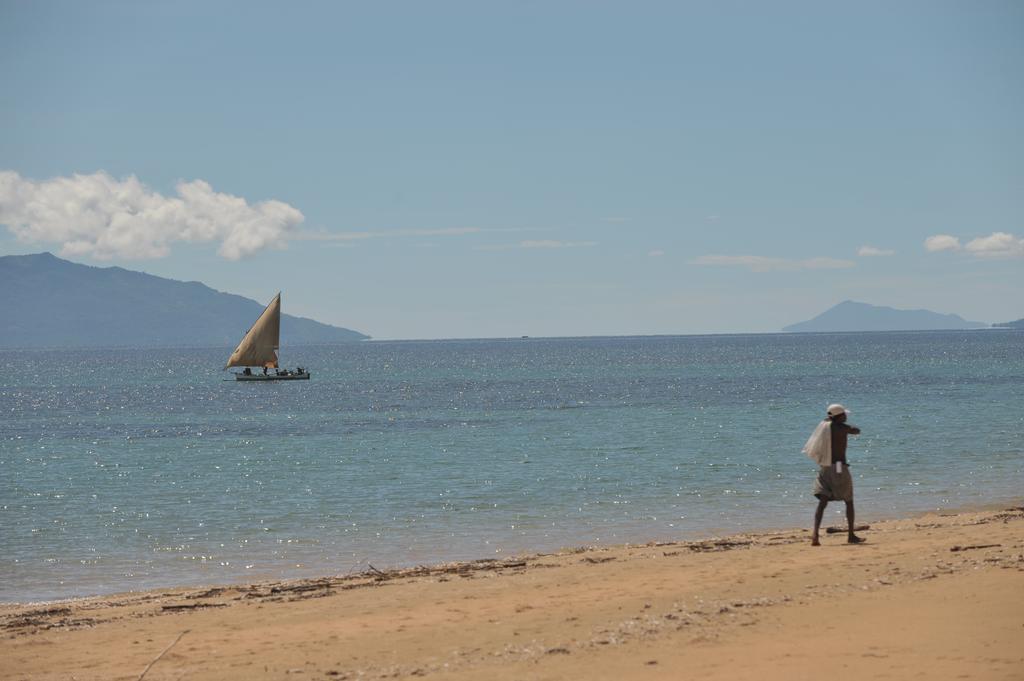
(934, 597)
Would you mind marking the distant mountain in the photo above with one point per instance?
(852, 316)
(1019, 324)
(55, 303)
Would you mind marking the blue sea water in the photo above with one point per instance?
(132, 469)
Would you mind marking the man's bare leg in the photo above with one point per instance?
(851, 538)
(818, 514)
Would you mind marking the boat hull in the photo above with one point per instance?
(304, 376)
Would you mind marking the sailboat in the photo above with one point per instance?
(259, 349)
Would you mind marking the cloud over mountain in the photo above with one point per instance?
(995, 245)
(873, 252)
(105, 217)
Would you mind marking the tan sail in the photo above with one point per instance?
(259, 346)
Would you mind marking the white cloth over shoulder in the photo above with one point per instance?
(819, 444)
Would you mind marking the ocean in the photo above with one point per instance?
(127, 469)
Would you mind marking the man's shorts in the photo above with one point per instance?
(832, 486)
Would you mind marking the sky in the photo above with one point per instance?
(484, 169)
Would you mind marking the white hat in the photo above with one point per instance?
(837, 409)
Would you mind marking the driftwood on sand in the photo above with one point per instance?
(150, 665)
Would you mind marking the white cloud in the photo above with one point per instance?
(655, 254)
(103, 217)
(995, 245)
(871, 251)
(760, 263)
(825, 264)
(542, 244)
(941, 242)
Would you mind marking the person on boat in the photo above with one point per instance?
(827, 446)
(247, 372)
(264, 370)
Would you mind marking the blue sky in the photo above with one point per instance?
(446, 169)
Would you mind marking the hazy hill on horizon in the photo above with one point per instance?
(55, 303)
(850, 315)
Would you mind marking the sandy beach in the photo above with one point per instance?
(939, 596)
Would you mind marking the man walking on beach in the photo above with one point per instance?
(827, 446)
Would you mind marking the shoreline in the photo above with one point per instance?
(921, 588)
(862, 518)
